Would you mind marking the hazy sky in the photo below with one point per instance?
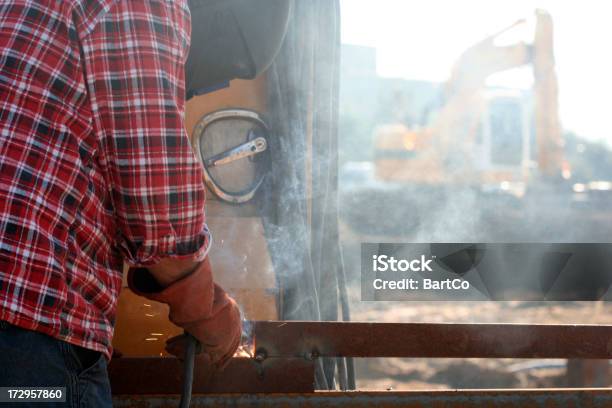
(422, 39)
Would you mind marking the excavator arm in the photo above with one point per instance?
(546, 89)
(483, 59)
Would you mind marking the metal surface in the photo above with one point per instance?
(221, 140)
(549, 398)
(138, 376)
(349, 339)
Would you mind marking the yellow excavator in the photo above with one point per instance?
(482, 136)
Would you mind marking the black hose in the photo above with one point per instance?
(190, 352)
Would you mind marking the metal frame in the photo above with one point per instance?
(282, 370)
(545, 398)
(143, 376)
(448, 340)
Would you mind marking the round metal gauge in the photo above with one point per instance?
(232, 145)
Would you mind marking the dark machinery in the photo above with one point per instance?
(232, 39)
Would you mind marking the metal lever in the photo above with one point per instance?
(246, 149)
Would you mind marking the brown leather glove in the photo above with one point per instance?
(198, 305)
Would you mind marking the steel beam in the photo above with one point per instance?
(544, 398)
(137, 376)
(349, 339)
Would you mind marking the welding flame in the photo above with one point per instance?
(247, 345)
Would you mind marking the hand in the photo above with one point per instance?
(201, 307)
(219, 336)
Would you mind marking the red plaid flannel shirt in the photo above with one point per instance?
(95, 163)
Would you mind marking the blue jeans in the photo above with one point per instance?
(32, 359)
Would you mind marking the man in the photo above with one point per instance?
(96, 168)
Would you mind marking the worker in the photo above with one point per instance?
(96, 168)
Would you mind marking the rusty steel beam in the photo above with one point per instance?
(549, 398)
(137, 376)
(349, 339)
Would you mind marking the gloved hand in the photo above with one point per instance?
(198, 305)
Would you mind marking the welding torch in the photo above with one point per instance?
(193, 347)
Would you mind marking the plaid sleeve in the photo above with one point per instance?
(134, 60)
